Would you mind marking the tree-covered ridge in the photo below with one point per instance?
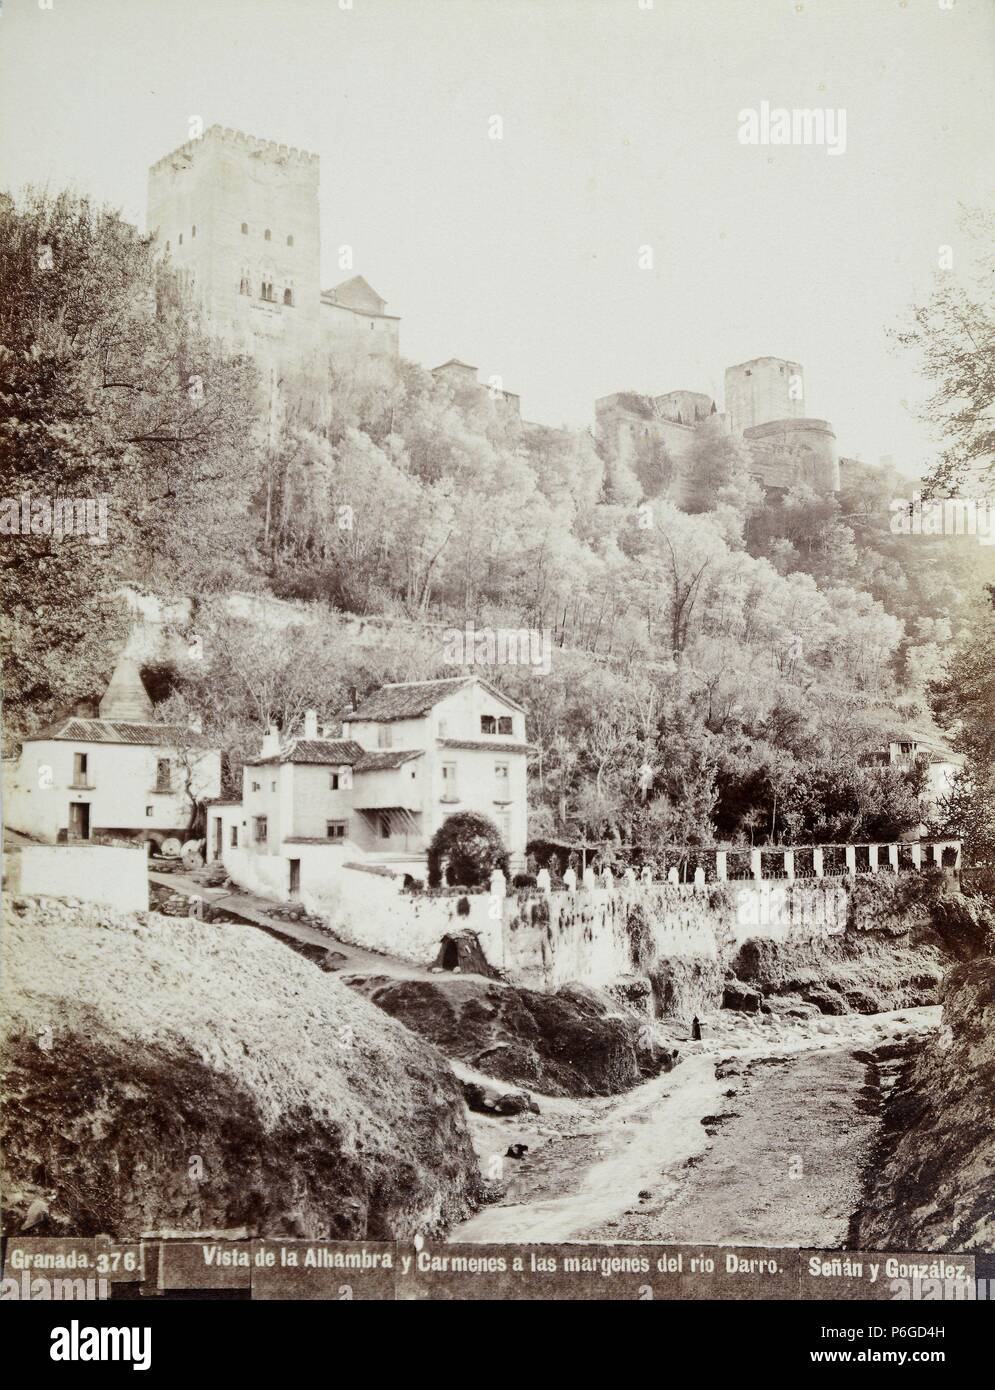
(716, 672)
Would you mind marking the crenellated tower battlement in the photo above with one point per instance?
(217, 133)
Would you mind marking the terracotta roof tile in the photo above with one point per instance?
(76, 730)
(312, 751)
(487, 745)
(410, 699)
(405, 701)
(385, 759)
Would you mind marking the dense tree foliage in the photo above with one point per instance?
(113, 393)
(964, 702)
(467, 848)
(718, 667)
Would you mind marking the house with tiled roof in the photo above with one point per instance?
(904, 748)
(122, 774)
(408, 755)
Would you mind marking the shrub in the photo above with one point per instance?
(545, 854)
(540, 911)
(523, 881)
(472, 847)
(640, 937)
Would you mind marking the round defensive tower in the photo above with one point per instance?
(806, 447)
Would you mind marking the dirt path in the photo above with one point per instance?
(257, 911)
(776, 1162)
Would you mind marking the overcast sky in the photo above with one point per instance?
(620, 125)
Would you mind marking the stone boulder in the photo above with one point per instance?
(742, 998)
(574, 1042)
(487, 1100)
(902, 934)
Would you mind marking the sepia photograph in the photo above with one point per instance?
(497, 571)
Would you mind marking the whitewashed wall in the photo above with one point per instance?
(591, 936)
(108, 874)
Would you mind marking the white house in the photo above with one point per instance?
(940, 762)
(121, 774)
(409, 756)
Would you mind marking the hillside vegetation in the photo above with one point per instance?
(714, 676)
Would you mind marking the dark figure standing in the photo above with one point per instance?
(695, 1029)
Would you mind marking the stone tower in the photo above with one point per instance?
(240, 217)
(765, 402)
(764, 389)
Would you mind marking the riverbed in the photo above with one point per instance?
(758, 1136)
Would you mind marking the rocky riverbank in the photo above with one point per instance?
(931, 1182)
(166, 1073)
(902, 935)
(574, 1042)
(760, 1136)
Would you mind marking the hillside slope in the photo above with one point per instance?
(932, 1184)
(170, 1073)
(903, 934)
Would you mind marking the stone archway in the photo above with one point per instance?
(462, 951)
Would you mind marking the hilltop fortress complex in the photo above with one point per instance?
(239, 217)
(764, 406)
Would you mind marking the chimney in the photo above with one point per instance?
(311, 723)
(353, 697)
(271, 742)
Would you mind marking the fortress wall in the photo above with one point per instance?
(788, 448)
(684, 407)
